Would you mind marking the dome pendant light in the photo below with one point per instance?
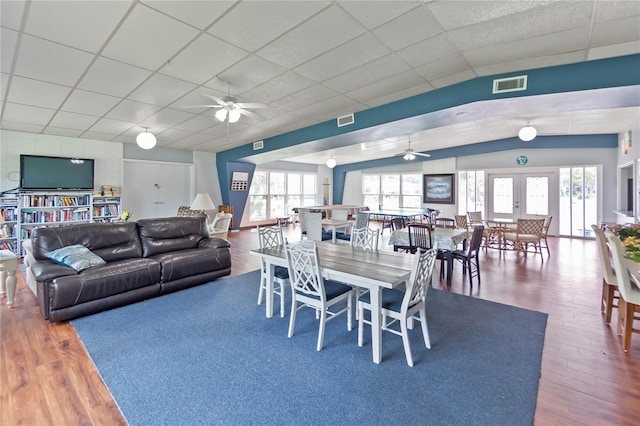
(146, 140)
(331, 163)
(527, 133)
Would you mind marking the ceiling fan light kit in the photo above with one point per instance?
(409, 154)
(527, 133)
(146, 140)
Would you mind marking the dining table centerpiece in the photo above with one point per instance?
(630, 236)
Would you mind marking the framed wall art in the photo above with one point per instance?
(439, 189)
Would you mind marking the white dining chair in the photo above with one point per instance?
(610, 294)
(364, 239)
(403, 306)
(271, 236)
(309, 289)
(314, 229)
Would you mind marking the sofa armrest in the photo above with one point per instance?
(214, 243)
(47, 270)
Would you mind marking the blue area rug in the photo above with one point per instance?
(208, 355)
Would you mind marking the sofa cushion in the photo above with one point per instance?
(184, 263)
(76, 256)
(171, 234)
(104, 281)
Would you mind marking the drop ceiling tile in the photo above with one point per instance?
(374, 13)
(212, 56)
(196, 139)
(531, 63)
(427, 51)
(400, 94)
(451, 15)
(253, 24)
(331, 108)
(22, 127)
(408, 29)
(27, 114)
(614, 32)
(11, 13)
(279, 87)
(4, 85)
(368, 73)
(198, 123)
(63, 132)
(199, 13)
(47, 61)
(443, 67)
(452, 79)
(161, 90)
(386, 86)
(82, 24)
(148, 38)
(36, 93)
(249, 72)
(304, 98)
(622, 49)
(323, 32)
(167, 118)
(346, 57)
(613, 10)
(173, 135)
(99, 136)
(133, 111)
(91, 103)
(8, 40)
(112, 77)
(71, 120)
(111, 126)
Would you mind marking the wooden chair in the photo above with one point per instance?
(475, 218)
(545, 231)
(528, 232)
(629, 303)
(470, 259)
(402, 306)
(419, 237)
(610, 294)
(461, 221)
(445, 222)
(309, 289)
(397, 223)
(271, 237)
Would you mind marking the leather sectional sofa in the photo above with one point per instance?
(144, 259)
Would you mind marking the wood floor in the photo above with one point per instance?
(47, 378)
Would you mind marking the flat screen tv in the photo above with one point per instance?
(55, 173)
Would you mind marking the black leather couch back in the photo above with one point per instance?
(171, 234)
(110, 241)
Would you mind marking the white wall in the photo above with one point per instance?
(206, 175)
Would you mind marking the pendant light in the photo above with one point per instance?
(146, 140)
(527, 133)
(331, 163)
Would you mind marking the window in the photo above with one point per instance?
(274, 193)
(470, 191)
(578, 200)
(392, 191)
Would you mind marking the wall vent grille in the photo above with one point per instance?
(258, 145)
(510, 84)
(345, 120)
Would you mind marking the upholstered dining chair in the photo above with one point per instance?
(309, 289)
(470, 258)
(402, 306)
(610, 294)
(629, 302)
(271, 236)
(528, 232)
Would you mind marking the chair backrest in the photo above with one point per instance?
(365, 238)
(270, 236)
(475, 218)
(431, 216)
(461, 221)
(530, 226)
(420, 278)
(362, 220)
(302, 217)
(397, 223)
(304, 268)
(340, 214)
(445, 222)
(420, 236)
(605, 260)
(221, 222)
(622, 276)
(185, 211)
(546, 225)
(314, 225)
(476, 240)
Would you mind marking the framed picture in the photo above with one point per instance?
(439, 189)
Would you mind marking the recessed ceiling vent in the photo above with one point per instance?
(510, 84)
(258, 145)
(345, 120)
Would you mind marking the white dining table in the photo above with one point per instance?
(368, 270)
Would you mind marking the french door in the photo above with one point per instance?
(519, 195)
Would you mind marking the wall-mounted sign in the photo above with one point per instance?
(240, 181)
(522, 160)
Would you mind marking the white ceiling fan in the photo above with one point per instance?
(410, 154)
(229, 109)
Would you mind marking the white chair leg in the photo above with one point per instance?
(292, 320)
(405, 342)
(425, 328)
(360, 322)
(263, 285)
(323, 322)
(349, 313)
(282, 287)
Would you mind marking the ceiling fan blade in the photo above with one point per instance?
(202, 106)
(250, 105)
(250, 114)
(215, 98)
(421, 154)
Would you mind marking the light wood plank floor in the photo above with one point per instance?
(47, 378)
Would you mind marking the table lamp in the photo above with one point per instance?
(203, 202)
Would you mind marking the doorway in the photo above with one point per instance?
(514, 196)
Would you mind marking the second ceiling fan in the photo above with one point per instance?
(229, 109)
(410, 154)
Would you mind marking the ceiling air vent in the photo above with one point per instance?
(510, 84)
(258, 145)
(345, 120)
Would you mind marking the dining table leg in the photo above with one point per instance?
(376, 327)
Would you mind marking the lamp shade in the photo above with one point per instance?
(202, 202)
(527, 133)
(409, 156)
(146, 140)
(331, 163)
(234, 115)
